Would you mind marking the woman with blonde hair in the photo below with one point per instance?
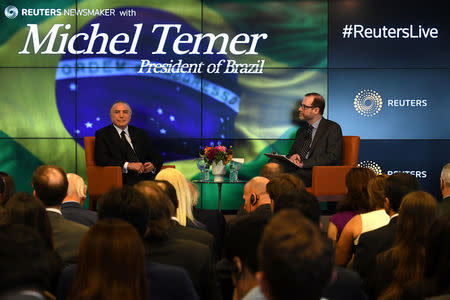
(359, 224)
(185, 198)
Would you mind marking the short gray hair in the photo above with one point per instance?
(445, 174)
(123, 102)
(76, 186)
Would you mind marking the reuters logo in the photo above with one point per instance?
(11, 12)
(368, 103)
(371, 165)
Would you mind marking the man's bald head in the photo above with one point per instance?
(50, 184)
(257, 184)
(253, 190)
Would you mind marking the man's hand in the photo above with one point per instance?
(148, 167)
(136, 166)
(295, 158)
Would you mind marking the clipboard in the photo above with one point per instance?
(281, 158)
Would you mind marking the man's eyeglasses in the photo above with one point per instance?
(306, 106)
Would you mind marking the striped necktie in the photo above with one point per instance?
(307, 143)
(128, 150)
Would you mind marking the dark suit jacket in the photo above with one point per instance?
(67, 236)
(164, 283)
(178, 231)
(372, 243)
(194, 257)
(74, 212)
(326, 148)
(108, 152)
(215, 224)
(346, 285)
(444, 206)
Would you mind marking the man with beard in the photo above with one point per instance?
(317, 143)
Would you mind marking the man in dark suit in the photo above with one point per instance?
(72, 206)
(445, 189)
(318, 143)
(379, 240)
(344, 283)
(295, 260)
(129, 147)
(50, 186)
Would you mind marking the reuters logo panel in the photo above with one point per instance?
(368, 103)
(371, 165)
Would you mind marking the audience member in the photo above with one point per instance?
(356, 201)
(445, 189)
(270, 171)
(111, 263)
(295, 259)
(3, 216)
(28, 210)
(50, 186)
(213, 219)
(184, 211)
(164, 282)
(241, 249)
(256, 199)
(376, 241)
(146, 210)
(7, 187)
(437, 264)
(403, 264)
(176, 230)
(344, 284)
(195, 258)
(194, 193)
(437, 259)
(72, 206)
(282, 184)
(24, 263)
(375, 218)
(304, 202)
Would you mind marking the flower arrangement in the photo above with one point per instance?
(217, 154)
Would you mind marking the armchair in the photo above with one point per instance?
(328, 182)
(100, 179)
